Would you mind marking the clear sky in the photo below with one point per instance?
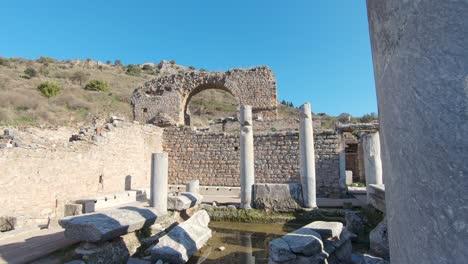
(319, 50)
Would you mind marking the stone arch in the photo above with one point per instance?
(201, 88)
(164, 100)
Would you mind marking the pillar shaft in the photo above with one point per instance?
(372, 160)
(420, 55)
(247, 156)
(159, 181)
(307, 161)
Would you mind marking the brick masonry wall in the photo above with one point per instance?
(213, 158)
(35, 183)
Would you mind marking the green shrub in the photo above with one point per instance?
(4, 62)
(172, 62)
(46, 60)
(117, 63)
(147, 67)
(133, 70)
(96, 85)
(49, 89)
(30, 73)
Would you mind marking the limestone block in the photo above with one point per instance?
(327, 229)
(278, 197)
(108, 224)
(378, 239)
(349, 177)
(73, 209)
(183, 201)
(376, 196)
(184, 240)
(89, 205)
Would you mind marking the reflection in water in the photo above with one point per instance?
(244, 242)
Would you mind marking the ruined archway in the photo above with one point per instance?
(204, 90)
(166, 97)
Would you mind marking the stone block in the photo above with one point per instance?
(184, 240)
(368, 259)
(108, 224)
(349, 177)
(354, 221)
(278, 197)
(376, 196)
(7, 223)
(108, 252)
(73, 209)
(326, 229)
(378, 239)
(89, 205)
(183, 201)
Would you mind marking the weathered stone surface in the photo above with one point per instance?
(279, 251)
(277, 197)
(376, 196)
(354, 221)
(168, 94)
(109, 252)
(183, 201)
(73, 209)
(326, 229)
(301, 242)
(420, 65)
(193, 186)
(108, 224)
(184, 240)
(378, 239)
(368, 259)
(138, 261)
(276, 158)
(7, 223)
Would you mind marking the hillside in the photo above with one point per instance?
(22, 103)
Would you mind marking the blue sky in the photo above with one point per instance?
(319, 50)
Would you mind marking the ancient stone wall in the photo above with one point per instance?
(213, 158)
(37, 179)
(167, 97)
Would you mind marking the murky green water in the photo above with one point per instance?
(244, 242)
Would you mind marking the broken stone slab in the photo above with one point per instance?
(108, 224)
(73, 209)
(114, 251)
(184, 240)
(183, 201)
(327, 229)
(301, 242)
(278, 197)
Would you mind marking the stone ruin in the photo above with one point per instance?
(164, 100)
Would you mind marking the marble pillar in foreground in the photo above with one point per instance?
(159, 181)
(247, 156)
(307, 157)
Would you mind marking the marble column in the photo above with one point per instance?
(307, 159)
(371, 156)
(342, 157)
(193, 186)
(420, 55)
(247, 156)
(159, 181)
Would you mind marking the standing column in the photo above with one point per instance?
(372, 161)
(247, 156)
(420, 55)
(307, 152)
(342, 157)
(159, 178)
